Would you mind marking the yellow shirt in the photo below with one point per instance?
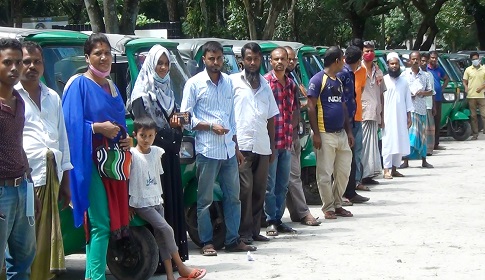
(475, 78)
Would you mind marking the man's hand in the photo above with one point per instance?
(272, 157)
(409, 122)
(131, 213)
(239, 157)
(64, 194)
(317, 141)
(351, 140)
(382, 125)
(126, 143)
(219, 129)
(175, 122)
(433, 111)
(37, 206)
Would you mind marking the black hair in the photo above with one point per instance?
(252, 46)
(7, 43)
(94, 39)
(144, 123)
(281, 49)
(31, 46)
(472, 54)
(353, 54)
(332, 54)
(426, 55)
(358, 43)
(211, 46)
(414, 52)
(433, 52)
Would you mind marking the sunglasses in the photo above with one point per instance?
(369, 44)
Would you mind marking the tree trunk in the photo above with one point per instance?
(419, 37)
(253, 35)
(274, 11)
(73, 9)
(358, 24)
(477, 10)
(173, 13)
(128, 17)
(292, 21)
(95, 16)
(428, 21)
(433, 30)
(205, 15)
(16, 7)
(111, 16)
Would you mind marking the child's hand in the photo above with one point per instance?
(131, 213)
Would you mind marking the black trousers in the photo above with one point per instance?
(350, 190)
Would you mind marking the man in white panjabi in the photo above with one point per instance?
(397, 117)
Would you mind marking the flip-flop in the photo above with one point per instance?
(396, 174)
(208, 251)
(388, 176)
(194, 274)
(361, 187)
(286, 229)
(271, 230)
(310, 222)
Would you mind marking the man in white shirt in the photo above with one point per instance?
(254, 109)
(47, 149)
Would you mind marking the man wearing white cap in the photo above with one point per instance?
(397, 117)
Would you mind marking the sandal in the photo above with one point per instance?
(343, 213)
(239, 247)
(361, 187)
(330, 215)
(285, 228)
(208, 251)
(396, 174)
(308, 220)
(194, 274)
(388, 175)
(271, 230)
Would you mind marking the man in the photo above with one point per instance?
(397, 117)
(420, 86)
(295, 198)
(353, 56)
(332, 136)
(254, 108)
(47, 149)
(431, 110)
(284, 90)
(439, 75)
(474, 81)
(16, 223)
(372, 99)
(208, 97)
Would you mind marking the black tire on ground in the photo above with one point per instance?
(460, 130)
(310, 187)
(140, 261)
(218, 225)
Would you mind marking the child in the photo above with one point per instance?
(146, 196)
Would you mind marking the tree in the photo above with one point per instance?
(172, 7)
(476, 8)
(261, 22)
(16, 6)
(95, 15)
(428, 22)
(111, 23)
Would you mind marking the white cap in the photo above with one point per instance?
(392, 55)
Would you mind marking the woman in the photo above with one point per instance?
(152, 96)
(93, 111)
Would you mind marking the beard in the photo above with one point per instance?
(394, 73)
(252, 77)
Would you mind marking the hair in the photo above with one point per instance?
(252, 46)
(433, 53)
(369, 44)
(7, 43)
(144, 123)
(31, 46)
(472, 54)
(94, 39)
(332, 54)
(357, 42)
(426, 55)
(211, 46)
(281, 49)
(353, 54)
(414, 52)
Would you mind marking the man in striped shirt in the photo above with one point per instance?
(209, 98)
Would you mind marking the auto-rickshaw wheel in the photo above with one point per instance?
(310, 187)
(460, 130)
(218, 224)
(137, 259)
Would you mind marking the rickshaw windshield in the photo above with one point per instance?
(449, 70)
(311, 64)
(229, 65)
(61, 63)
(178, 72)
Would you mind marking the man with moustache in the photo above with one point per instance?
(295, 198)
(397, 117)
(431, 110)
(47, 149)
(284, 90)
(16, 222)
(420, 86)
(332, 133)
(254, 110)
(209, 98)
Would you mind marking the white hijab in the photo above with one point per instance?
(155, 91)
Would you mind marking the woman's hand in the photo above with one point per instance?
(107, 128)
(175, 122)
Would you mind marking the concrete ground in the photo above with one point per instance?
(427, 225)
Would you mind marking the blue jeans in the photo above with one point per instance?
(277, 187)
(227, 174)
(357, 148)
(17, 232)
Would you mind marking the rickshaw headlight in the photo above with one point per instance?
(449, 96)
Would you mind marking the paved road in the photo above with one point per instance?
(427, 225)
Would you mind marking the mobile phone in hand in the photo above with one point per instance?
(184, 117)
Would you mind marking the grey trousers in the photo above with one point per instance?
(295, 198)
(162, 230)
(253, 177)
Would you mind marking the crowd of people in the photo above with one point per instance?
(364, 125)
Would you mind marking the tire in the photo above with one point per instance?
(460, 130)
(218, 225)
(140, 261)
(310, 187)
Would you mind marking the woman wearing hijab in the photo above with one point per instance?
(152, 96)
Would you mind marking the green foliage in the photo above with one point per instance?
(141, 20)
(237, 25)
(457, 29)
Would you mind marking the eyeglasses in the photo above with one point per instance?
(369, 44)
